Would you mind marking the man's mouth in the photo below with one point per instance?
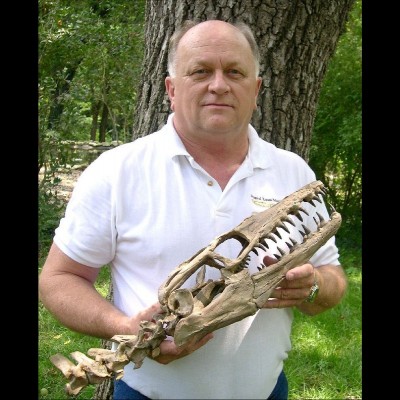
(218, 105)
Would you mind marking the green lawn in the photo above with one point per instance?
(325, 361)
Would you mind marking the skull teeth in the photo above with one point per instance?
(306, 230)
(304, 211)
(321, 218)
(317, 198)
(284, 227)
(280, 251)
(244, 263)
(261, 267)
(287, 219)
(262, 246)
(298, 215)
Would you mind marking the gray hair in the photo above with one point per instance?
(188, 24)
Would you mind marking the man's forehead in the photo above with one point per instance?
(213, 35)
(224, 58)
(212, 26)
(202, 48)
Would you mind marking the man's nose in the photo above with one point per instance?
(219, 83)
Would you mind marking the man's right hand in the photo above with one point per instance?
(170, 352)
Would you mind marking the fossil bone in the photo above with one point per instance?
(213, 304)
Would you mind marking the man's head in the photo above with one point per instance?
(213, 78)
(188, 24)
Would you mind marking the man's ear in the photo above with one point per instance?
(258, 86)
(170, 88)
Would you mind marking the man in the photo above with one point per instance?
(146, 206)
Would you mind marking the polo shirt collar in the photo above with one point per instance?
(259, 150)
(175, 145)
(258, 154)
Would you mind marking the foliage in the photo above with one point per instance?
(50, 206)
(336, 152)
(90, 53)
(51, 209)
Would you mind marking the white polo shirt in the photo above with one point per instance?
(147, 206)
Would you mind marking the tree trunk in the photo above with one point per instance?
(95, 109)
(57, 103)
(296, 39)
(103, 124)
(105, 389)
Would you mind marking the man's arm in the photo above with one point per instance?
(66, 289)
(332, 282)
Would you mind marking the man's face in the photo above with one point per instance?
(215, 88)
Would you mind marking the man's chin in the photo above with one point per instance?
(219, 128)
(218, 122)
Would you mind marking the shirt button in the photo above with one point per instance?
(210, 183)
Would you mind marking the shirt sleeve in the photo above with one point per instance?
(87, 232)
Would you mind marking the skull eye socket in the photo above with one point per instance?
(231, 247)
(231, 251)
(181, 302)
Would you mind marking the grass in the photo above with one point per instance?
(55, 338)
(324, 363)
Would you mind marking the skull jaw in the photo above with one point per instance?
(244, 293)
(233, 304)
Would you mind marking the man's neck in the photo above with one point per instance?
(219, 158)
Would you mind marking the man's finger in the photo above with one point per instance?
(267, 260)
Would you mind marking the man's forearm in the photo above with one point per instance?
(332, 284)
(77, 305)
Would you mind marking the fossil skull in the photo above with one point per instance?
(213, 304)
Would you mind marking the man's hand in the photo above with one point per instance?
(294, 289)
(168, 349)
(170, 352)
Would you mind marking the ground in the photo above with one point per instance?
(68, 179)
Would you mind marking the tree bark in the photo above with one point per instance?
(105, 389)
(297, 38)
(95, 109)
(103, 123)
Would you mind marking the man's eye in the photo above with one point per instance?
(199, 72)
(234, 72)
